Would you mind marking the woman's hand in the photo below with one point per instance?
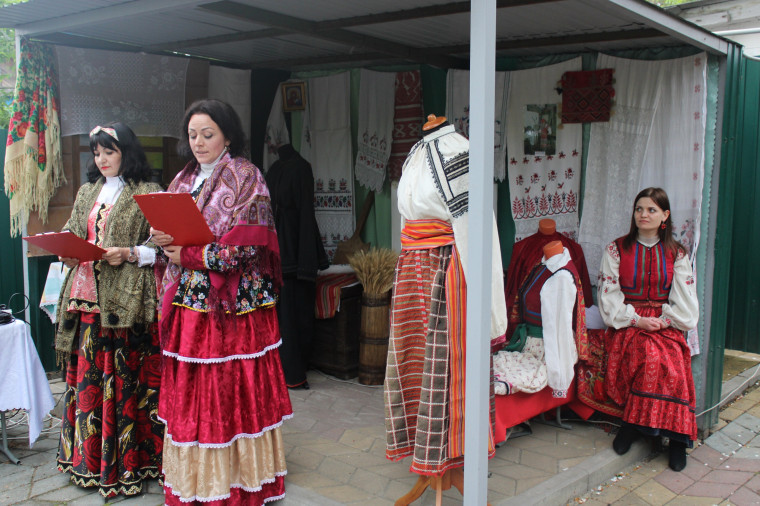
(69, 262)
(115, 256)
(160, 238)
(650, 323)
(173, 254)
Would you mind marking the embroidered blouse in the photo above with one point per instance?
(680, 306)
(434, 185)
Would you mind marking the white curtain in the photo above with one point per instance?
(147, 92)
(654, 138)
(377, 91)
(234, 87)
(326, 143)
(458, 113)
(544, 156)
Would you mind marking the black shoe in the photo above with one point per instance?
(677, 456)
(624, 439)
(302, 386)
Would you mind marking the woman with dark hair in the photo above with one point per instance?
(107, 336)
(648, 298)
(223, 390)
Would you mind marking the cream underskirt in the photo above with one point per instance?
(196, 473)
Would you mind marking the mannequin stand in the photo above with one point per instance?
(439, 483)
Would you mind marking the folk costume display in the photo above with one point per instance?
(107, 337)
(552, 315)
(223, 392)
(424, 384)
(649, 372)
(526, 254)
(291, 188)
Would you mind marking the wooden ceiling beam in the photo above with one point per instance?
(218, 39)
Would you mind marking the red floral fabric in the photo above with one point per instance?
(110, 437)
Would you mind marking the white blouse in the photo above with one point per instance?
(419, 198)
(108, 195)
(681, 311)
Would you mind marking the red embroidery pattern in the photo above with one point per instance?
(545, 205)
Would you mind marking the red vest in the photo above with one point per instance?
(530, 292)
(646, 273)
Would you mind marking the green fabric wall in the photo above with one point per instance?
(744, 297)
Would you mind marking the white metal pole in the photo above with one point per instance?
(480, 229)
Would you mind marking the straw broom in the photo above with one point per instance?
(375, 269)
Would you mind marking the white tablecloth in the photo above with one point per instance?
(23, 384)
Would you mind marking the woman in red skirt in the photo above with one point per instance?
(223, 395)
(647, 297)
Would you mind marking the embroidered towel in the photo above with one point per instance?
(375, 129)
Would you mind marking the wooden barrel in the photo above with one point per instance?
(373, 338)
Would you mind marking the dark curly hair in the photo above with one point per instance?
(660, 198)
(223, 115)
(134, 164)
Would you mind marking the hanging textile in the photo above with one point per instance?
(587, 96)
(544, 154)
(654, 138)
(146, 91)
(375, 130)
(234, 87)
(407, 120)
(33, 165)
(277, 131)
(458, 113)
(326, 143)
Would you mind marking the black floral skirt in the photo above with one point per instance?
(111, 437)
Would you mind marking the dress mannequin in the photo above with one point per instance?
(423, 389)
(291, 188)
(526, 254)
(551, 315)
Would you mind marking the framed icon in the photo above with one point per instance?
(293, 96)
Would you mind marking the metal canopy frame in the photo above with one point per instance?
(302, 40)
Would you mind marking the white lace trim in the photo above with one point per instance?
(227, 444)
(228, 495)
(219, 360)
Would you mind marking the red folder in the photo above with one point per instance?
(176, 214)
(67, 245)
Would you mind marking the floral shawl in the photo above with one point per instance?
(33, 164)
(235, 202)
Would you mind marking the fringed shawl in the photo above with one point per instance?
(33, 164)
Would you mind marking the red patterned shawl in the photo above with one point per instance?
(235, 202)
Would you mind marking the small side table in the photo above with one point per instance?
(23, 383)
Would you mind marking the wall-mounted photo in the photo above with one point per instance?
(293, 96)
(540, 127)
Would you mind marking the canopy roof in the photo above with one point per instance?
(303, 34)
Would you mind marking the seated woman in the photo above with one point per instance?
(648, 298)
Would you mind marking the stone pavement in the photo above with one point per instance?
(335, 452)
(723, 469)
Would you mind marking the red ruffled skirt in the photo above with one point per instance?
(649, 374)
(223, 400)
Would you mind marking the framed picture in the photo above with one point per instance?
(293, 96)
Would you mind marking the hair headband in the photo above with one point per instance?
(110, 131)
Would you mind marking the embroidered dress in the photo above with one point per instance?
(649, 373)
(110, 437)
(225, 396)
(424, 385)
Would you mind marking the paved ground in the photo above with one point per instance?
(335, 454)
